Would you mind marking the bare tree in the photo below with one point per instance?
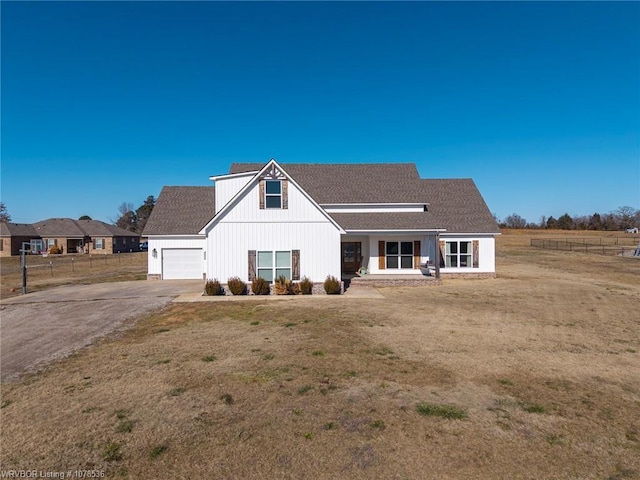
(515, 221)
(4, 214)
(127, 219)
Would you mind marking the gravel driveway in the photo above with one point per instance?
(40, 327)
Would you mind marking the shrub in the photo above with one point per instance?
(283, 286)
(213, 287)
(259, 286)
(55, 249)
(306, 286)
(237, 286)
(332, 286)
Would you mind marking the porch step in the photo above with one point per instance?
(394, 281)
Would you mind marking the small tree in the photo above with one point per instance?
(85, 217)
(565, 222)
(4, 214)
(515, 221)
(144, 212)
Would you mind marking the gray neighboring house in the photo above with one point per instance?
(72, 236)
(316, 220)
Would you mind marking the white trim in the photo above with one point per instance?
(232, 175)
(402, 204)
(176, 235)
(395, 232)
(450, 234)
(251, 184)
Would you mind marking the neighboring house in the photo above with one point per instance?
(12, 236)
(316, 220)
(72, 236)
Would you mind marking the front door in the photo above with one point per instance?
(351, 256)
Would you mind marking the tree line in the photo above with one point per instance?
(129, 218)
(620, 219)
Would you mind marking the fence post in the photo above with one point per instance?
(51, 267)
(72, 267)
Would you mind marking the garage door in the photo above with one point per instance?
(181, 263)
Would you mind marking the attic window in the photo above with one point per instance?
(273, 194)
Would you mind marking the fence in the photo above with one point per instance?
(55, 268)
(613, 246)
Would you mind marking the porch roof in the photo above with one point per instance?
(382, 221)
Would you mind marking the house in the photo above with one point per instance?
(316, 220)
(71, 236)
(13, 235)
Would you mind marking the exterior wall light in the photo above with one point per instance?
(154, 253)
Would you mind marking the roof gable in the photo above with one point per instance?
(270, 170)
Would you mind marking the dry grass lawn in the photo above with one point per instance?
(56, 270)
(540, 369)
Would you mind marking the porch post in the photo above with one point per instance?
(437, 255)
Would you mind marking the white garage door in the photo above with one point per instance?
(182, 263)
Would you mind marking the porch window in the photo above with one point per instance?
(458, 255)
(399, 254)
(98, 244)
(273, 194)
(273, 264)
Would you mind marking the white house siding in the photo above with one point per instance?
(486, 248)
(227, 188)
(247, 227)
(319, 246)
(171, 242)
(373, 249)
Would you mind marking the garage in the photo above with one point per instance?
(182, 264)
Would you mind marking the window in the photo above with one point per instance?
(51, 242)
(98, 243)
(458, 255)
(273, 264)
(273, 194)
(37, 246)
(399, 254)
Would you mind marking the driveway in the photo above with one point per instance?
(40, 327)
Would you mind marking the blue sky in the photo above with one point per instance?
(106, 102)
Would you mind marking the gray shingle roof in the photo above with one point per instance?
(64, 227)
(70, 228)
(8, 229)
(352, 183)
(454, 204)
(181, 210)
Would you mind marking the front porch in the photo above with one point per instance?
(390, 280)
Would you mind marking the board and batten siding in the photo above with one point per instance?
(161, 242)
(247, 227)
(227, 188)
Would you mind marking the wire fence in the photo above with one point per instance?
(612, 246)
(74, 265)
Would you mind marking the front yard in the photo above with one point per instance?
(533, 374)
